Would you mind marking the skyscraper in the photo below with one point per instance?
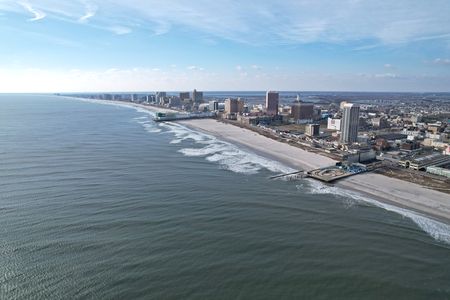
(302, 112)
(160, 97)
(272, 103)
(197, 96)
(349, 124)
(184, 96)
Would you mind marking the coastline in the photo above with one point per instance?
(385, 190)
(390, 191)
(125, 103)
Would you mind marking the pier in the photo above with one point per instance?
(165, 117)
(327, 174)
(293, 175)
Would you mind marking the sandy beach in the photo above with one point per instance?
(392, 191)
(291, 156)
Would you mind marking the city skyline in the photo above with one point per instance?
(295, 45)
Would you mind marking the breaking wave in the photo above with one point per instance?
(227, 155)
(437, 230)
(231, 158)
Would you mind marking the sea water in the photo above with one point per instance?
(98, 201)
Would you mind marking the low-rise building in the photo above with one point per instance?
(422, 162)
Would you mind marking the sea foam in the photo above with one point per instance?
(228, 156)
(437, 230)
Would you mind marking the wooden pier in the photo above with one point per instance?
(293, 175)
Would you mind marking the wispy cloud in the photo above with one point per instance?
(40, 80)
(90, 11)
(266, 22)
(38, 14)
(442, 61)
(196, 68)
(386, 75)
(119, 30)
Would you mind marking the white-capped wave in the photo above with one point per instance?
(438, 230)
(227, 155)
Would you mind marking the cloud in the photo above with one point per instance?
(368, 23)
(386, 75)
(239, 68)
(195, 68)
(143, 79)
(442, 61)
(90, 11)
(38, 14)
(120, 30)
(388, 66)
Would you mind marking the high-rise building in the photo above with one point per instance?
(234, 106)
(349, 124)
(272, 99)
(302, 112)
(240, 105)
(313, 129)
(197, 96)
(231, 106)
(184, 96)
(160, 97)
(213, 105)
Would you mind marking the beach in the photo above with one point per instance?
(393, 191)
(387, 190)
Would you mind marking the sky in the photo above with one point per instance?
(174, 45)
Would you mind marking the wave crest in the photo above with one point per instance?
(437, 230)
(227, 155)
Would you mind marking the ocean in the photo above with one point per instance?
(99, 202)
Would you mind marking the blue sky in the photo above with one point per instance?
(136, 45)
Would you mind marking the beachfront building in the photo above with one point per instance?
(313, 129)
(184, 96)
(272, 99)
(302, 112)
(334, 124)
(231, 106)
(234, 106)
(213, 105)
(160, 96)
(197, 96)
(422, 162)
(349, 124)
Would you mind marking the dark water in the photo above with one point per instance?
(98, 202)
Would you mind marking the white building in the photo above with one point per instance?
(334, 124)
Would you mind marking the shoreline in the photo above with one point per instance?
(125, 103)
(386, 190)
(395, 192)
